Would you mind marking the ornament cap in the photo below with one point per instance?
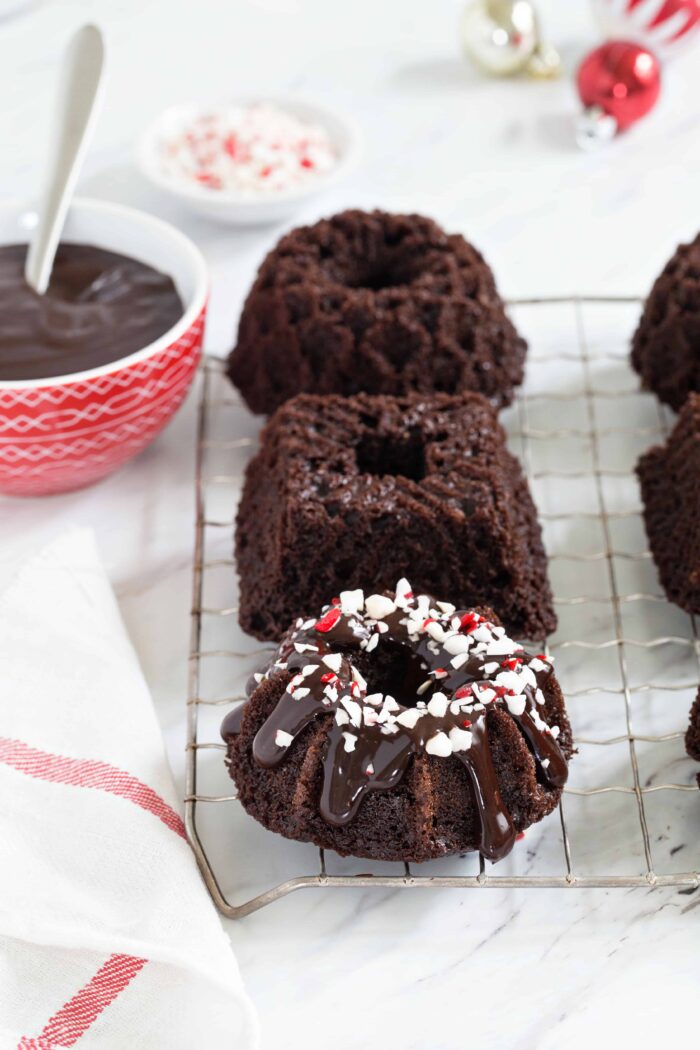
(595, 127)
(545, 63)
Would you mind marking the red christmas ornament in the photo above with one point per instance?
(662, 25)
(618, 83)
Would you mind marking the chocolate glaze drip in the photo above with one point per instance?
(231, 725)
(99, 307)
(467, 666)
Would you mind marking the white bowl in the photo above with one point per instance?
(238, 208)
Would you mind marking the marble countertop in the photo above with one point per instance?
(495, 160)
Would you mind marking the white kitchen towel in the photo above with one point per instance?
(108, 938)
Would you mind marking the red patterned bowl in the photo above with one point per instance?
(66, 432)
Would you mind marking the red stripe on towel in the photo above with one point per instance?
(73, 1020)
(88, 773)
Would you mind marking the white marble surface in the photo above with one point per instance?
(429, 971)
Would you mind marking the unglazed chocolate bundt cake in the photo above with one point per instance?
(356, 492)
(692, 738)
(669, 475)
(399, 728)
(374, 302)
(666, 346)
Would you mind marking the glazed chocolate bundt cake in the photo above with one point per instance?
(669, 475)
(692, 738)
(374, 302)
(399, 728)
(666, 346)
(356, 492)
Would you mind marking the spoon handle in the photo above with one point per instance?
(76, 108)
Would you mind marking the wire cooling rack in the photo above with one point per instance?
(627, 660)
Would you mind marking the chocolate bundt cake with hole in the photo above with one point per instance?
(666, 345)
(669, 476)
(692, 738)
(369, 301)
(356, 492)
(397, 727)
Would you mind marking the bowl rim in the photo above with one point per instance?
(198, 299)
(326, 115)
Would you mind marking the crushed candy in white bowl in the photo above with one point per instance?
(257, 148)
(249, 160)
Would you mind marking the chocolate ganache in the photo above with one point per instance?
(98, 308)
(449, 668)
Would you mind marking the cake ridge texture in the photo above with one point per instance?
(666, 345)
(668, 476)
(357, 492)
(374, 302)
(396, 726)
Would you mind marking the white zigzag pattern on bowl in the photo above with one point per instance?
(95, 413)
(125, 436)
(38, 461)
(103, 385)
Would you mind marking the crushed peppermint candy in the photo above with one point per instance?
(328, 620)
(377, 606)
(251, 150)
(439, 744)
(454, 684)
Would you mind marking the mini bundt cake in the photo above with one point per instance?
(356, 492)
(399, 728)
(669, 475)
(666, 346)
(692, 738)
(374, 302)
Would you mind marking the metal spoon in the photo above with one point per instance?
(76, 108)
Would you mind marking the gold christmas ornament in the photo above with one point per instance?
(502, 37)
